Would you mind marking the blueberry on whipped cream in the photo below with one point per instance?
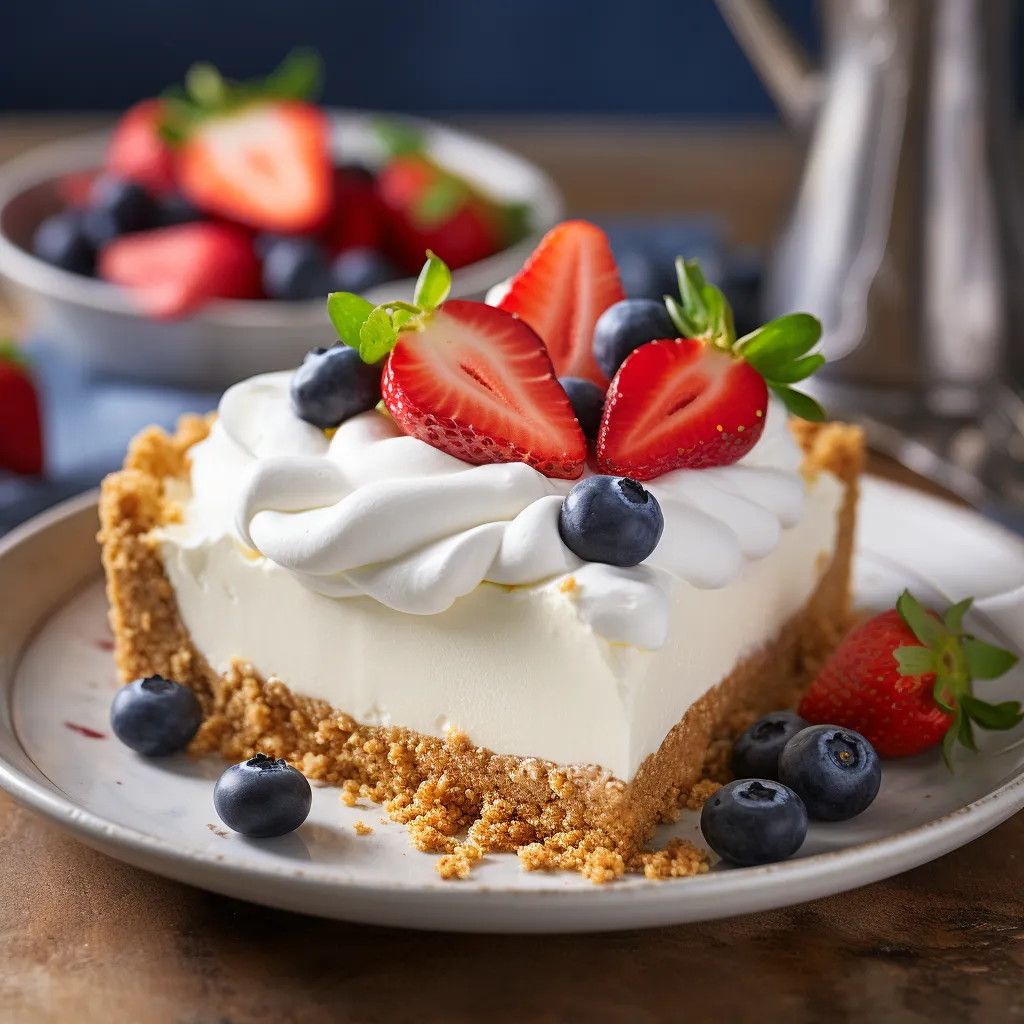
(333, 385)
(611, 519)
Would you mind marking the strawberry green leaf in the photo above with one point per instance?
(799, 404)
(377, 336)
(925, 627)
(949, 740)
(779, 342)
(691, 288)
(940, 693)
(686, 327)
(348, 313)
(984, 661)
(205, 86)
(10, 353)
(954, 616)
(298, 77)
(965, 732)
(397, 139)
(915, 661)
(797, 370)
(433, 284)
(440, 201)
(993, 716)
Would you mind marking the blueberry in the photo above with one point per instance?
(155, 716)
(295, 269)
(755, 755)
(61, 241)
(333, 384)
(262, 797)
(175, 209)
(836, 771)
(117, 207)
(628, 325)
(611, 519)
(587, 402)
(754, 821)
(359, 270)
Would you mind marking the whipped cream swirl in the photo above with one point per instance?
(373, 512)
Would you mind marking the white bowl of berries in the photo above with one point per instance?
(197, 242)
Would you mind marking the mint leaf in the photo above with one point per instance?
(926, 628)
(799, 404)
(954, 617)
(298, 77)
(348, 313)
(998, 717)
(377, 336)
(779, 342)
(433, 284)
(984, 661)
(797, 370)
(915, 661)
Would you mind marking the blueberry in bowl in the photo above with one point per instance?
(263, 797)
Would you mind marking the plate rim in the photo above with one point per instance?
(866, 862)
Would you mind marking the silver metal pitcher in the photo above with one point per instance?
(905, 235)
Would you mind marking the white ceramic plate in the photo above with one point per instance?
(228, 341)
(57, 679)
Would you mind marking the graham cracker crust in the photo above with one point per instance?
(576, 817)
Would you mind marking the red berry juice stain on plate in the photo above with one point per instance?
(84, 730)
(104, 643)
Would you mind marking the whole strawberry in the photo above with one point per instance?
(904, 680)
(21, 435)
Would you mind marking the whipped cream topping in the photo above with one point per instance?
(373, 512)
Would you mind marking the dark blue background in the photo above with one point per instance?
(648, 57)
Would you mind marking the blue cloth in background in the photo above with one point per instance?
(89, 420)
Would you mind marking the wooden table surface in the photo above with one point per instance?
(86, 939)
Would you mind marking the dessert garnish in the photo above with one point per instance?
(700, 400)
(755, 754)
(467, 378)
(333, 384)
(263, 797)
(626, 326)
(752, 822)
(611, 519)
(255, 152)
(587, 400)
(173, 270)
(155, 716)
(904, 679)
(834, 770)
(21, 432)
(566, 284)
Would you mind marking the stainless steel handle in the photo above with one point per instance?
(778, 58)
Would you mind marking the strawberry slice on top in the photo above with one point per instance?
(138, 152)
(467, 378)
(254, 152)
(567, 283)
(701, 400)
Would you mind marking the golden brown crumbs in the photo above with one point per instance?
(698, 796)
(361, 829)
(680, 859)
(459, 862)
(349, 795)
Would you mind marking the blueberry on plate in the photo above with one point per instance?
(755, 755)
(332, 385)
(835, 771)
(117, 207)
(627, 325)
(359, 270)
(175, 209)
(295, 269)
(587, 402)
(155, 716)
(611, 519)
(262, 797)
(60, 240)
(754, 821)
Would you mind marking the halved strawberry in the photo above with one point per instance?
(138, 152)
(566, 284)
(265, 165)
(680, 404)
(172, 271)
(477, 383)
